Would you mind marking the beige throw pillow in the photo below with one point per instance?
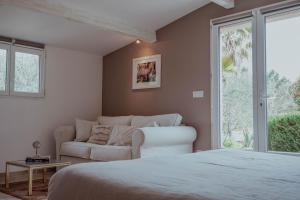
(121, 135)
(83, 130)
(100, 134)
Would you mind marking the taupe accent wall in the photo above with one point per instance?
(185, 49)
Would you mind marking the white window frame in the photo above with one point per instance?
(259, 66)
(34, 51)
(7, 47)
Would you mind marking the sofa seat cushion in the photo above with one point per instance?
(110, 153)
(76, 149)
(161, 120)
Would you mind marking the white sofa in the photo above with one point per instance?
(168, 139)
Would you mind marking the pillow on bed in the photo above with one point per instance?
(100, 134)
(83, 130)
(121, 135)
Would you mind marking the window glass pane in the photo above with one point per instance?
(3, 69)
(236, 98)
(27, 73)
(283, 81)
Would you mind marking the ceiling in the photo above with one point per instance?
(57, 31)
(148, 15)
(96, 26)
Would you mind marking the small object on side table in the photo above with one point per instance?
(36, 145)
(39, 159)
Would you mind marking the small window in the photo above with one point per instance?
(21, 70)
(4, 64)
(27, 72)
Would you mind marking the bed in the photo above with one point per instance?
(211, 175)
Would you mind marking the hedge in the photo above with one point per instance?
(284, 133)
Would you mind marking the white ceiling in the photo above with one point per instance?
(145, 16)
(149, 15)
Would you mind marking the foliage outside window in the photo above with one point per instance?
(3, 69)
(284, 133)
(237, 94)
(26, 72)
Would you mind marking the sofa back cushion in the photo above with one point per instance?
(83, 129)
(161, 120)
(112, 121)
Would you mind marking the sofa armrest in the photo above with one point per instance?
(149, 137)
(63, 134)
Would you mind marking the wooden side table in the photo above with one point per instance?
(31, 167)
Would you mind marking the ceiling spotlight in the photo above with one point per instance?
(138, 41)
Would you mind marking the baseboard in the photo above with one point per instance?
(20, 176)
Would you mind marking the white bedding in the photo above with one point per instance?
(212, 175)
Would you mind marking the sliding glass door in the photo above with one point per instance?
(256, 80)
(283, 81)
(236, 91)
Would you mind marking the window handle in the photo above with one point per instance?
(265, 97)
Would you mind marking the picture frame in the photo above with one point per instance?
(146, 72)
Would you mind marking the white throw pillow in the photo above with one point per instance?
(162, 120)
(83, 129)
(121, 135)
(151, 124)
(112, 121)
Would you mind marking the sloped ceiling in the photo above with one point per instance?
(97, 26)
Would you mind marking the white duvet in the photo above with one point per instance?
(212, 175)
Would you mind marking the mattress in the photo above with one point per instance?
(211, 175)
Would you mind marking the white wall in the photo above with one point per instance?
(73, 89)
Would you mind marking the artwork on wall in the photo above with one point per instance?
(146, 72)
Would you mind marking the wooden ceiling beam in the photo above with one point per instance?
(224, 3)
(104, 22)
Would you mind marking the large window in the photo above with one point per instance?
(256, 79)
(21, 71)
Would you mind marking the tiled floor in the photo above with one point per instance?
(6, 197)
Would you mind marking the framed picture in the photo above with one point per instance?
(146, 72)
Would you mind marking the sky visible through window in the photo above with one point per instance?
(283, 47)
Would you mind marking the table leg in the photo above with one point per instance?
(30, 173)
(44, 175)
(6, 176)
